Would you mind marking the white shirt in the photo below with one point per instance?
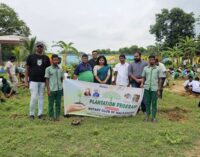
(187, 82)
(163, 69)
(184, 62)
(1, 84)
(66, 75)
(122, 74)
(11, 66)
(195, 86)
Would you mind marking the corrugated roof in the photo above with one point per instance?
(11, 39)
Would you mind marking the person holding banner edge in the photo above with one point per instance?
(135, 70)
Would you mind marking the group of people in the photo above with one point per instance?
(9, 86)
(139, 74)
(184, 73)
(40, 72)
(192, 85)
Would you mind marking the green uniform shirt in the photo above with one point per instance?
(55, 76)
(151, 75)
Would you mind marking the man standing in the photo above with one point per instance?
(35, 72)
(93, 61)
(121, 72)
(11, 70)
(152, 83)
(164, 75)
(135, 70)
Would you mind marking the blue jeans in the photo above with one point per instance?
(143, 105)
(37, 95)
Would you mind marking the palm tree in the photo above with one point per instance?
(66, 49)
(29, 45)
(175, 53)
(19, 53)
(188, 45)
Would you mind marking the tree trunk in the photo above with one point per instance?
(1, 60)
(177, 62)
(191, 59)
(64, 61)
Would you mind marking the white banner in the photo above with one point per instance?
(100, 100)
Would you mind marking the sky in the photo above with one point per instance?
(95, 24)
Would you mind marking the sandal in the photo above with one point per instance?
(76, 122)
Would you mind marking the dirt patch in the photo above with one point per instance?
(177, 87)
(16, 116)
(195, 152)
(175, 114)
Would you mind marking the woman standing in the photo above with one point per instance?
(102, 71)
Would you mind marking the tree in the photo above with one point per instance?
(20, 53)
(189, 46)
(29, 45)
(175, 53)
(124, 50)
(172, 25)
(154, 49)
(17, 53)
(10, 24)
(66, 49)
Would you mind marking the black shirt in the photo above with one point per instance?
(92, 62)
(37, 65)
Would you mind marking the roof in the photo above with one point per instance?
(11, 39)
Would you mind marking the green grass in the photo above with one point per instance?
(176, 132)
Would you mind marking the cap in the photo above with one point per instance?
(39, 44)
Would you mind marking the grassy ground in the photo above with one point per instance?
(176, 134)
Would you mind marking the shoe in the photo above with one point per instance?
(67, 115)
(31, 117)
(154, 120)
(146, 119)
(40, 116)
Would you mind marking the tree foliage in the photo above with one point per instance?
(125, 50)
(20, 53)
(10, 24)
(29, 45)
(66, 48)
(189, 47)
(172, 25)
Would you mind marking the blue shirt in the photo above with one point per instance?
(82, 68)
(95, 94)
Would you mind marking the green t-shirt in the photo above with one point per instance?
(86, 76)
(55, 76)
(151, 75)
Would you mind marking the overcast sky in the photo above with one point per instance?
(95, 24)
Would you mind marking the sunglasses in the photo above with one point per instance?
(40, 46)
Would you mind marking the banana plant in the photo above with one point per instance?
(66, 49)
